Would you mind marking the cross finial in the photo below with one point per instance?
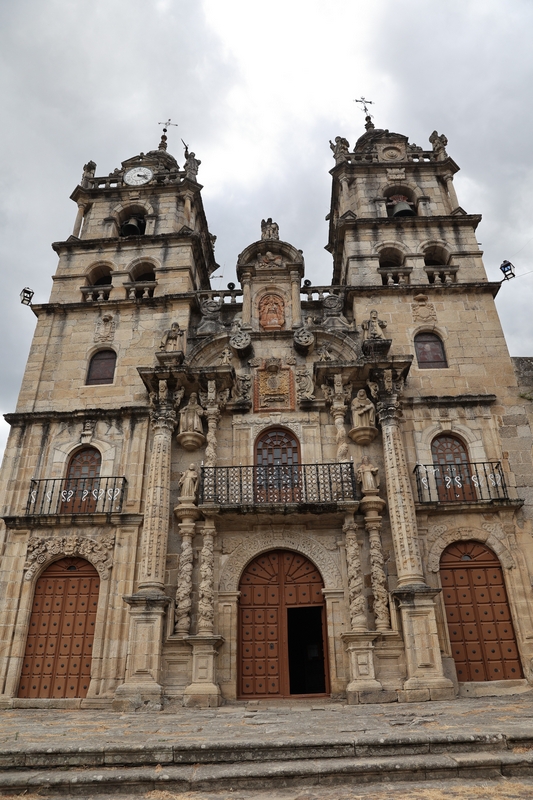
(365, 103)
(163, 142)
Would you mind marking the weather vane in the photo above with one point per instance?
(167, 124)
(365, 103)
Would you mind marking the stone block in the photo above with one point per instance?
(378, 696)
(442, 693)
(413, 695)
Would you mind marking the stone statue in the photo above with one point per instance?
(163, 392)
(324, 353)
(225, 357)
(363, 411)
(340, 149)
(188, 483)
(172, 340)
(191, 416)
(269, 229)
(367, 476)
(373, 327)
(304, 385)
(439, 145)
(191, 165)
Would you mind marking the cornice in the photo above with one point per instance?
(19, 418)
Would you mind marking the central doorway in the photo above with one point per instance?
(282, 628)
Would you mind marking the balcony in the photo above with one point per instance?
(76, 496)
(314, 487)
(481, 482)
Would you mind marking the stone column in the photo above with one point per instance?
(142, 689)
(357, 604)
(371, 506)
(454, 202)
(203, 691)
(79, 219)
(246, 299)
(182, 616)
(295, 297)
(425, 678)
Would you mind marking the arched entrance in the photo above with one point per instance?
(57, 661)
(479, 620)
(282, 628)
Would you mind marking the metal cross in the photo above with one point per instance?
(365, 103)
(167, 123)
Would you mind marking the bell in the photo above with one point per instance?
(131, 228)
(402, 209)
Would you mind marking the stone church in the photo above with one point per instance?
(275, 490)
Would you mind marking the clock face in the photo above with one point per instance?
(138, 175)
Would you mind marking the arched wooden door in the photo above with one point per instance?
(57, 661)
(282, 628)
(479, 620)
(277, 474)
(80, 492)
(452, 475)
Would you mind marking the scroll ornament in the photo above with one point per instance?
(41, 550)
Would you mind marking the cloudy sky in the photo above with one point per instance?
(258, 89)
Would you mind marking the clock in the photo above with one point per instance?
(138, 175)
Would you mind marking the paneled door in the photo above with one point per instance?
(479, 619)
(57, 661)
(282, 628)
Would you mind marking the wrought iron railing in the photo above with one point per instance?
(76, 496)
(309, 484)
(467, 483)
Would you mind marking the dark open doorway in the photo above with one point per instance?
(306, 651)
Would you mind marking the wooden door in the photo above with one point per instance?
(277, 474)
(479, 619)
(282, 628)
(81, 488)
(452, 470)
(57, 661)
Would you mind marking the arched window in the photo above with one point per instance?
(452, 469)
(430, 351)
(277, 456)
(101, 368)
(80, 491)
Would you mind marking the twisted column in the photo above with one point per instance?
(377, 575)
(156, 513)
(182, 616)
(206, 594)
(357, 603)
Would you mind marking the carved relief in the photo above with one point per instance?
(104, 329)
(493, 538)
(423, 311)
(357, 601)
(242, 390)
(273, 387)
(271, 312)
(42, 550)
(304, 385)
(273, 540)
(206, 611)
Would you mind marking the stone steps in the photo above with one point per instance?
(244, 765)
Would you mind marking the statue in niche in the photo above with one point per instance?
(363, 411)
(269, 229)
(271, 312)
(172, 341)
(340, 149)
(190, 434)
(188, 484)
(367, 476)
(373, 327)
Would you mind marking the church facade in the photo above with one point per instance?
(276, 490)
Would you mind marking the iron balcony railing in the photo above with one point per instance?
(467, 483)
(309, 484)
(76, 496)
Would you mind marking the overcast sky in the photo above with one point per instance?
(258, 89)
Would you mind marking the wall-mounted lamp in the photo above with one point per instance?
(26, 296)
(508, 270)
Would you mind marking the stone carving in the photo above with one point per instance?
(304, 340)
(357, 603)
(229, 544)
(336, 397)
(41, 550)
(269, 260)
(395, 174)
(363, 412)
(88, 431)
(191, 434)
(333, 316)
(191, 165)
(182, 614)
(210, 322)
(240, 340)
(494, 539)
(88, 173)
(163, 392)
(104, 329)
(242, 390)
(324, 354)
(269, 229)
(423, 311)
(188, 484)
(439, 145)
(271, 312)
(378, 577)
(373, 327)
(275, 539)
(225, 357)
(172, 341)
(304, 385)
(206, 594)
(273, 387)
(341, 149)
(367, 476)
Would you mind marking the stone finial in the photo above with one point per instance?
(269, 229)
